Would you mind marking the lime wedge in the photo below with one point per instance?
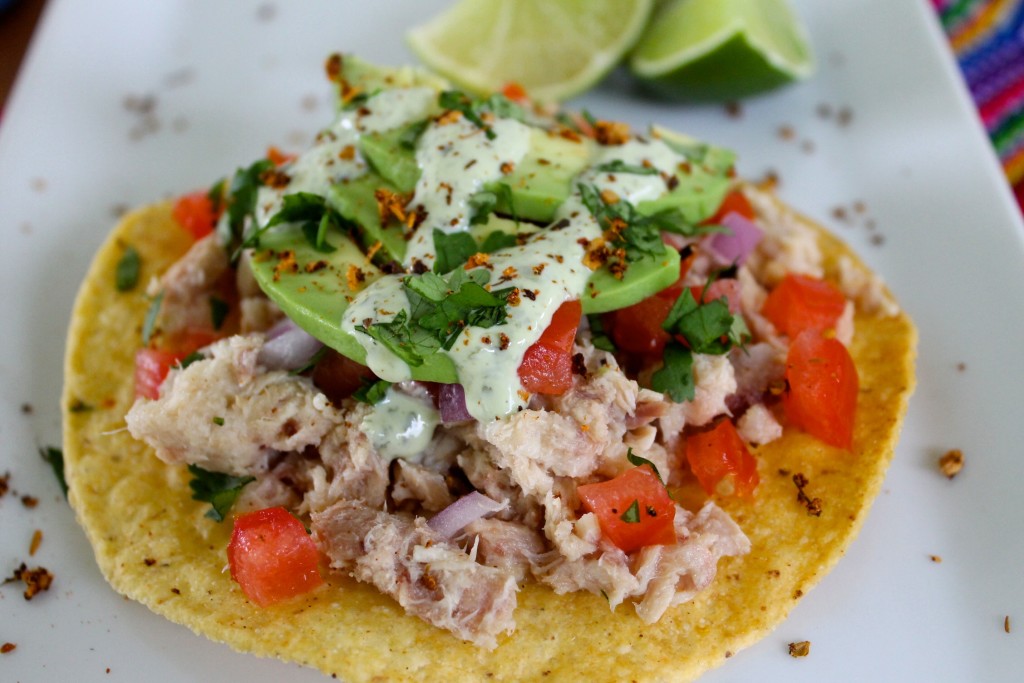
(719, 50)
(553, 48)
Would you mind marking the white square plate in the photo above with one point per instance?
(122, 103)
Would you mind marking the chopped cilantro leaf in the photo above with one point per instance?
(675, 377)
(620, 166)
(473, 108)
(440, 309)
(55, 457)
(372, 391)
(216, 488)
(706, 326)
(482, 205)
(599, 336)
(219, 421)
(126, 276)
(409, 137)
(498, 240)
(639, 461)
(218, 312)
(312, 211)
(190, 359)
(452, 249)
(242, 195)
(150, 321)
(632, 513)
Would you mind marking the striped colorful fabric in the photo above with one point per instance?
(987, 37)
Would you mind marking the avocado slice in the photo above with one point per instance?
(543, 179)
(368, 78)
(643, 278)
(392, 154)
(313, 289)
(355, 200)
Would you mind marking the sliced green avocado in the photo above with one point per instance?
(643, 278)
(543, 179)
(392, 154)
(355, 200)
(703, 182)
(313, 289)
(369, 78)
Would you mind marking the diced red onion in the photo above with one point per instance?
(456, 516)
(288, 347)
(451, 401)
(735, 246)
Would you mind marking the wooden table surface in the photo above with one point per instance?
(16, 25)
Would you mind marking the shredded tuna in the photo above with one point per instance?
(188, 284)
(428, 576)
(509, 546)
(226, 415)
(758, 426)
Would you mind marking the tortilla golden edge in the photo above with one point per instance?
(153, 544)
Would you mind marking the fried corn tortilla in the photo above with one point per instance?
(154, 545)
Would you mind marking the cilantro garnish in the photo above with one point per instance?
(190, 359)
(452, 249)
(440, 308)
(474, 108)
(242, 195)
(311, 211)
(496, 240)
(218, 312)
(638, 461)
(126, 276)
(55, 457)
(708, 327)
(150, 321)
(484, 203)
(216, 488)
(632, 514)
(620, 166)
(409, 136)
(372, 391)
(675, 377)
(219, 421)
(599, 336)
(625, 227)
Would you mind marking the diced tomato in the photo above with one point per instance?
(151, 368)
(633, 509)
(195, 213)
(515, 92)
(637, 328)
(339, 377)
(547, 365)
(719, 453)
(801, 302)
(272, 557)
(734, 202)
(279, 158)
(821, 388)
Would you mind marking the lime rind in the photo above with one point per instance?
(713, 50)
(554, 49)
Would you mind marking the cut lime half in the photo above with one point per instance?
(719, 50)
(553, 48)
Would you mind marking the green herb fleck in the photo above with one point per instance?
(452, 250)
(372, 391)
(639, 461)
(190, 359)
(218, 312)
(219, 421)
(632, 514)
(409, 137)
(77, 405)
(620, 166)
(149, 323)
(126, 276)
(311, 211)
(216, 488)
(675, 377)
(599, 336)
(498, 239)
(241, 204)
(55, 457)
(474, 108)
(708, 327)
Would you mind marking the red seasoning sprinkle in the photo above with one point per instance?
(37, 539)
(801, 649)
(7, 648)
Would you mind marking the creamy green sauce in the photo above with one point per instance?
(456, 160)
(400, 425)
